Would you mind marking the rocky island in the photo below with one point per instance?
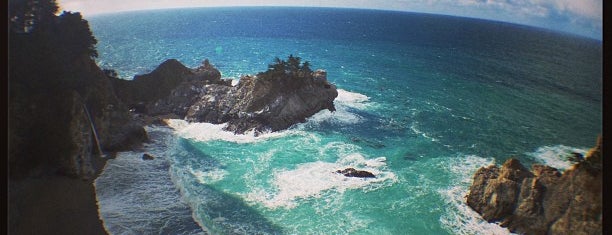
(287, 93)
(543, 200)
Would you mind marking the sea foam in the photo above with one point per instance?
(206, 132)
(311, 180)
(346, 103)
(353, 99)
(208, 177)
(556, 156)
(458, 217)
(343, 115)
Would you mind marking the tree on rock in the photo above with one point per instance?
(293, 67)
(75, 34)
(28, 16)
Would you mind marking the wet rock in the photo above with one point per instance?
(147, 156)
(351, 172)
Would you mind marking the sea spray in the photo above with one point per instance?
(559, 156)
(311, 179)
(459, 218)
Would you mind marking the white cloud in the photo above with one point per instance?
(578, 13)
(586, 8)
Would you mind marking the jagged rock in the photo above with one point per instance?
(351, 172)
(209, 74)
(167, 77)
(542, 201)
(170, 88)
(147, 156)
(153, 86)
(265, 104)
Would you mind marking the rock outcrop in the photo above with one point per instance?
(160, 83)
(541, 201)
(177, 99)
(268, 101)
(264, 104)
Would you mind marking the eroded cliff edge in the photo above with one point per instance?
(543, 200)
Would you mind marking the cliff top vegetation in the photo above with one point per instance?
(292, 67)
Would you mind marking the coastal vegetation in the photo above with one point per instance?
(50, 56)
(292, 67)
(58, 98)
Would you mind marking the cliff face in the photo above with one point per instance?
(51, 128)
(541, 201)
(257, 103)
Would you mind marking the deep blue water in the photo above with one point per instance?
(425, 100)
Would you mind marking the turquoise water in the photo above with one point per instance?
(424, 101)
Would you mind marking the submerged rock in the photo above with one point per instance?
(541, 201)
(351, 172)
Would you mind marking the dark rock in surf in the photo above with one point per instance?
(147, 156)
(351, 172)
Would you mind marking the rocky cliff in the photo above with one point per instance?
(62, 106)
(53, 128)
(269, 101)
(543, 200)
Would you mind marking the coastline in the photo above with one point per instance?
(55, 205)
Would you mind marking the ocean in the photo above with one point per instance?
(424, 101)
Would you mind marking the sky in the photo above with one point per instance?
(582, 17)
